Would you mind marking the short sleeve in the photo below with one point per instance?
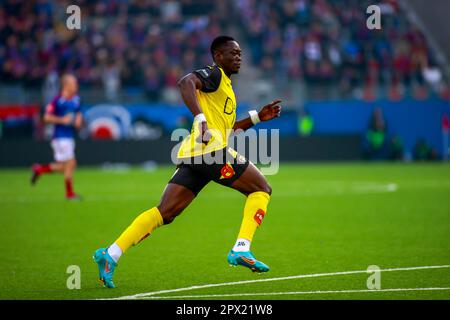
(51, 107)
(77, 104)
(210, 77)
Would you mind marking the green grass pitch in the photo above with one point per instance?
(323, 218)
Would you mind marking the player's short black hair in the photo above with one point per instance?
(218, 42)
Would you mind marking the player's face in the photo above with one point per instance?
(72, 85)
(230, 57)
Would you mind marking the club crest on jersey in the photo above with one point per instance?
(227, 171)
(259, 216)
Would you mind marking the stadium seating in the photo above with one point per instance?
(143, 47)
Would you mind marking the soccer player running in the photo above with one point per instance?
(64, 113)
(209, 96)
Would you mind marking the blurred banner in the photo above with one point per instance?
(410, 120)
(145, 121)
(403, 130)
(18, 121)
(140, 121)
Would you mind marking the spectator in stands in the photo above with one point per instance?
(51, 86)
(376, 135)
(111, 80)
(152, 83)
(319, 41)
(396, 149)
(305, 123)
(423, 152)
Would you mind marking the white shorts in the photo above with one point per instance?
(63, 149)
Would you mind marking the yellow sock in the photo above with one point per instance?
(254, 211)
(141, 227)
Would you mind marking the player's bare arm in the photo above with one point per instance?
(78, 122)
(52, 119)
(267, 112)
(188, 86)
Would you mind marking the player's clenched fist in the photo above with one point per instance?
(205, 135)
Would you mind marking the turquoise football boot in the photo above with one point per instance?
(106, 267)
(247, 259)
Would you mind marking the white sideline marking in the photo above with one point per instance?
(293, 293)
(301, 276)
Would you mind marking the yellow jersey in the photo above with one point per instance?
(218, 104)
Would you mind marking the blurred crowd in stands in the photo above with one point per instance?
(149, 44)
(140, 43)
(328, 42)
